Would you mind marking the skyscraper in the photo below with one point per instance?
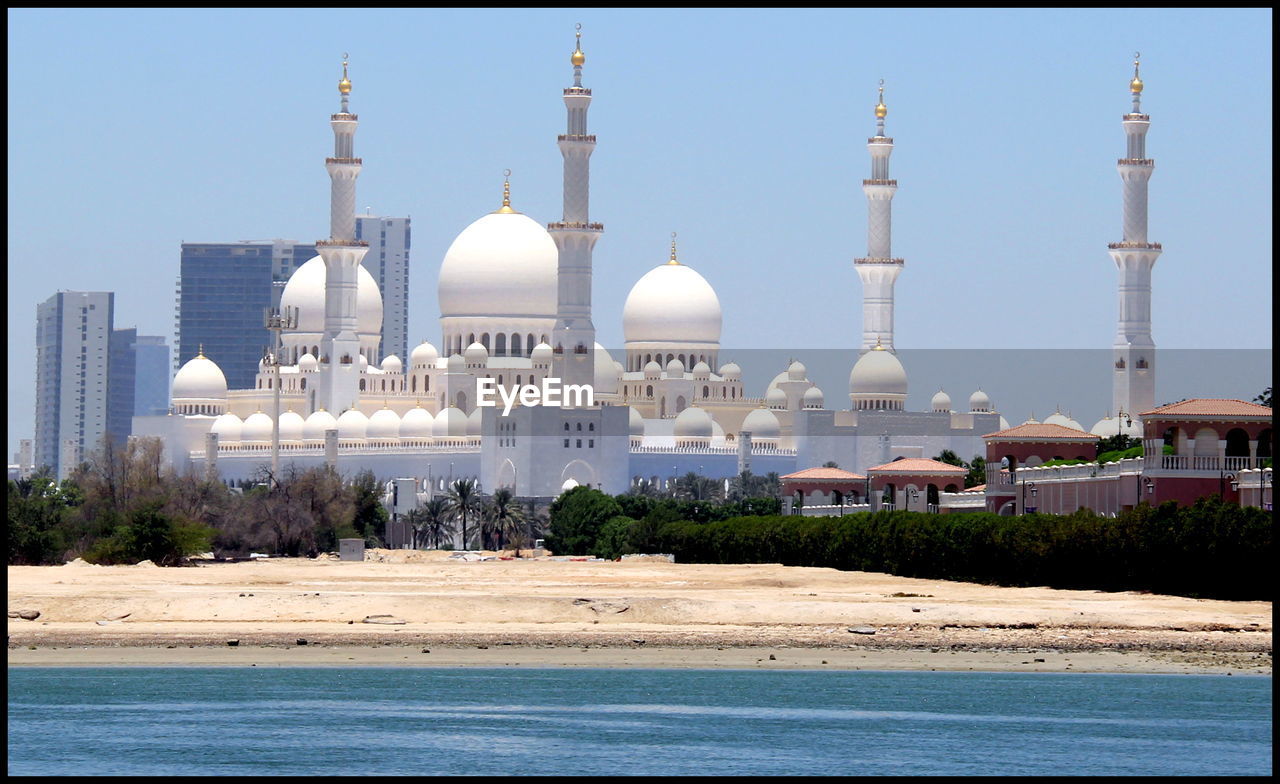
(223, 291)
(73, 352)
(151, 387)
(122, 379)
(388, 262)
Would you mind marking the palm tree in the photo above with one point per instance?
(644, 488)
(504, 514)
(463, 500)
(431, 522)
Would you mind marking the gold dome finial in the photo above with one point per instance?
(344, 86)
(673, 249)
(506, 194)
(877, 346)
(881, 109)
(1135, 86)
(578, 57)
(200, 352)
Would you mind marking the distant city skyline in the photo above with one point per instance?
(131, 132)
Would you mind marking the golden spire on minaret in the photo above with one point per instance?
(1135, 86)
(578, 58)
(673, 249)
(506, 195)
(881, 109)
(344, 86)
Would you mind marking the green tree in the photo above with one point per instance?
(505, 517)
(38, 508)
(950, 458)
(615, 539)
(1117, 443)
(430, 523)
(370, 518)
(152, 535)
(831, 464)
(1265, 398)
(464, 504)
(977, 472)
(576, 518)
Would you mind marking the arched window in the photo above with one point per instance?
(302, 383)
(500, 344)
(706, 391)
(724, 391)
(648, 390)
(530, 345)
(484, 341)
(579, 427)
(591, 426)
(362, 385)
(518, 377)
(413, 383)
(566, 425)
(516, 349)
(426, 383)
(384, 385)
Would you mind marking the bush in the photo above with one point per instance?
(151, 535)
(576, 518)
(615, 538)
(1212, 549)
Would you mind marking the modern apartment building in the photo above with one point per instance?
(73, 354)
(388, 262)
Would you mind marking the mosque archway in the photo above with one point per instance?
(507, 474)
(579, 471)
(1237, 443)
(1264, 443)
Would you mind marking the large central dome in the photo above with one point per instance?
(672, 304)
(502, 265)
(305, 291)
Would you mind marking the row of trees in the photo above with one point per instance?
(496, 522)
(694, 487)
(123, 506)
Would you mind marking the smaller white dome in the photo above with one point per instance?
(450, 422)
(762, 424)
(675, 369)
(605, 373)
(416, 423)
(353, 424)
(319, 421)
(456, 364)
(364, 362)
(693, 422)
(775, 398)
(256, 428)
(796, 371)
(652, 370)
(941, 402)
(812, 398)
(308, 362)
(227, 426)
(702, 371)
(424, 355)
(262, 365)
(1004, 423)
(199, 379)
(541, 353)
(473, 423)
(979, 402)
(635, 423)
(392, 364)
(731, 372)
(1031, 420)
(476, 354)
(1057, 418)
(1109, 427)
(291, 426)
(569, 484)
(383, 424)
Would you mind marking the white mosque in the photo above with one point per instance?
(515, 302)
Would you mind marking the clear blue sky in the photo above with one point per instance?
(133, 131)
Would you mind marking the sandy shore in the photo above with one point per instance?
(388, 610)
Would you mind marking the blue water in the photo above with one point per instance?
(328, 721)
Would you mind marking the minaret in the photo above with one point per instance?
(574, 337)
(342, 253)
(879, 270)
(1134, 382)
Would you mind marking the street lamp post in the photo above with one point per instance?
(1025, 487)
(1264, 479)
(912, 495)
(1223, 478)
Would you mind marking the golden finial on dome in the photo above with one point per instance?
(673, 249)
(877, 346)
(200, 352)
(506, 194)
(578, 57)
(344, 86)
(881, 109)
(1135, 86)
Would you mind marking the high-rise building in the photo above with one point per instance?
(73, 354)
(223, 291)
(388, 262)
(122, 379)
(151, 387)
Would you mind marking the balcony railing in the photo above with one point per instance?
(1136, 162)
(575, 225)
(1207, 463)
(1137, 245)
(878, 261)
(577, 137)
(880, 140)
(894, 183)
(344, 160)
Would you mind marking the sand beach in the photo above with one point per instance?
(404, 608)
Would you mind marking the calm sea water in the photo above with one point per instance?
(318, 721)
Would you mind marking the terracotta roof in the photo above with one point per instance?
(975, 489)
(1040, 430)
(824, 473)
(1206, 406)
(918, 465)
